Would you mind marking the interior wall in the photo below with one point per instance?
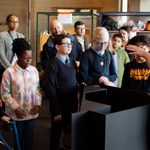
(20, 9)
(144, 5)
(133, 5)
(138, 5)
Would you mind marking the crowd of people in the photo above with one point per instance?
(69, 64)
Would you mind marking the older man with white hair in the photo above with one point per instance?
(97, 65)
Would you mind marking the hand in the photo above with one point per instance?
(103, 80)
(6, 119)
(35, 109)
(110, 84)
(133, 49)
(20, 113)
(57, 118)
(77, 63)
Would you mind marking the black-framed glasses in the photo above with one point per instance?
(66, 44)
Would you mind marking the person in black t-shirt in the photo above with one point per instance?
(135, 50)
(137, 73)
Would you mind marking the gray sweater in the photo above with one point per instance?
(6, 40)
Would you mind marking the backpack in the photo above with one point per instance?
(108, 22)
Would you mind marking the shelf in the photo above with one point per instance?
(123, 18)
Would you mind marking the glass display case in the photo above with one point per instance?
(140, 21)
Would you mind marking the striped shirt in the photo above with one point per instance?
(20, 87)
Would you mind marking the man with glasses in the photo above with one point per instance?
(82, 43)
(137, 73)
(97, 65)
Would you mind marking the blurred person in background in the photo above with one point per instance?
(121, 57)
(7, 58)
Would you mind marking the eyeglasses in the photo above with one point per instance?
(13, 21)
(66, 44)
(101, 43)
(80, 28)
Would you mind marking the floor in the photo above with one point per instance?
(42, 129)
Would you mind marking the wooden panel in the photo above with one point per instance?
(18, 8)
(43, 39)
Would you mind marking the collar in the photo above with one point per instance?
(18, 68)
(99, 52)
(62, 58)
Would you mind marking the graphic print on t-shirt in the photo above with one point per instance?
(140, 74)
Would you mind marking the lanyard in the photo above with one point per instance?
(12, 36)
(12, 41)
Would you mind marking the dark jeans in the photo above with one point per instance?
(25, 132)
(56, 131)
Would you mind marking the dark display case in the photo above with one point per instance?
(120, 121)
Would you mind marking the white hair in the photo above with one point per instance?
(101, 33)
